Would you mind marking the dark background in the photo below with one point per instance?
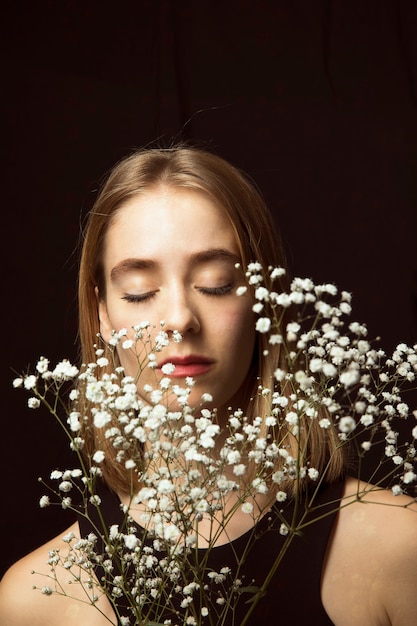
(316, 100)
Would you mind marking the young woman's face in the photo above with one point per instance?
(170, 255)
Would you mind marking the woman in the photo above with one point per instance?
(166, 241)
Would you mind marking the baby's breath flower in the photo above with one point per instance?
(74, 394)
(176, 336)
(313, 473)
(261, 293)
(74, 421)
(316, 365)
(329, 370)
(165, 486)
(168, 368)
(258, 308)
(42, 365)
(360, 407)
(98, 456)
(156, 395)
(130, 541)
(65, 486)
(367, 419)
(65, 371)
(305, 382)
(402, 409)
(275, 339)
(247, 507)
(325, 423)
(101, 418)
(297, 297)
(349, 377)
(161, 340)
(345, 308)
(292, 330)
(409, 477)
(347, 424)
(284, 300)
(292, 418)
(396, 490)
(254, 266)
(259, 485)
(358, 329)
(30, 382)
(263, 324)
(239, 469)
(277, 272)
(279, 374)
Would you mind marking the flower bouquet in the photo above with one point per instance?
(192, 472)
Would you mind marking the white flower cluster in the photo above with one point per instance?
(194, 472)
(359, 387)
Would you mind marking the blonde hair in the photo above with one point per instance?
(230, 189)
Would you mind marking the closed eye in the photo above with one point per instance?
(216, 291)
(138, 297)
(135, 298)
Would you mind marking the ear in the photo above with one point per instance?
(103, 316)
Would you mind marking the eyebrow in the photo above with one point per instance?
(136, 264)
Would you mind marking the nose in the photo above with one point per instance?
(181, 313)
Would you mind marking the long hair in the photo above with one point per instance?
(257, 239)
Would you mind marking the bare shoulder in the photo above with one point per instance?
(23, 602)
(371, 567)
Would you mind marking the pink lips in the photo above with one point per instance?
(191, 365)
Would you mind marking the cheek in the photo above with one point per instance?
(117, 316)
(120, 316)
(239, 330)
(133, 360)
(134, 354)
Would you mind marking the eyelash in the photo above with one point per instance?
(207, 291)
(216, 291)
(136, 298)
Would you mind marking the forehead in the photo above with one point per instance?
(169, 221)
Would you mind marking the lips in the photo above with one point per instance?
(190, 365)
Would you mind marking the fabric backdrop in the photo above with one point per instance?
(316, 100)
